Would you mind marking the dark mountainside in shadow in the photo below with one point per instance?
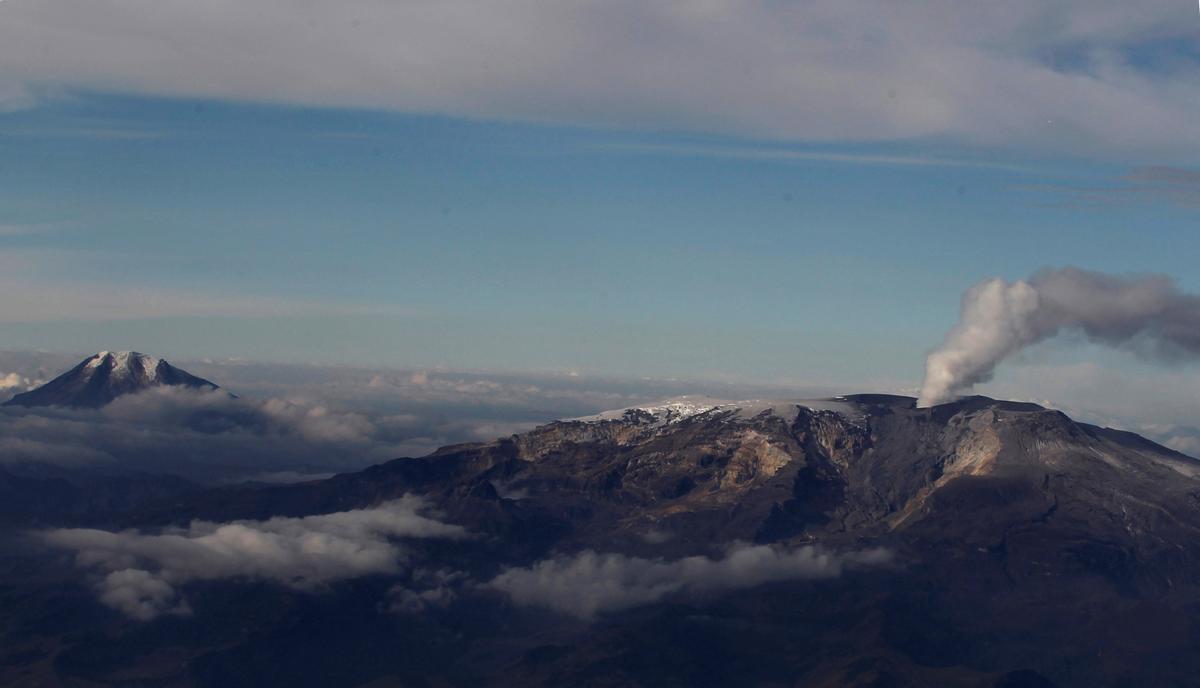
(1027, 550)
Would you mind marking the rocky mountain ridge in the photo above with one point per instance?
(852, 467)
(1026, 549)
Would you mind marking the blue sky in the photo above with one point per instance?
(430, 240)
(517, 222)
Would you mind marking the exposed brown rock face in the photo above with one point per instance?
(863, 466)
(874, 464)
(1029, 549)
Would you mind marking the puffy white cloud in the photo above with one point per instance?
(142, 571)
(14, 382)
(405, 601)
(434, 588)
(589, 583)
(141, 595)
(1070, 75)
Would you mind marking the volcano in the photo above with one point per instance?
(101, 378)
(1026, 549)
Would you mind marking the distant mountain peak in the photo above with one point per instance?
(101, 378)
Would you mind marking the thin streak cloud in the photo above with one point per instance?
(31, 298)
(791, 155)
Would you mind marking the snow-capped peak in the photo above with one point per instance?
(670, 410)
(101, 378)
(681, 408)
(127, 364)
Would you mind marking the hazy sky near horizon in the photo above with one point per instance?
(785, 192)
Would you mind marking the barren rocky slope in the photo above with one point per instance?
(1029, 550)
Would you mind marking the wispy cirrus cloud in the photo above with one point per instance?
(93, 132)
(1174, 184)
(792, 154)
(30, 303)
(31, 294)
(1099, 77)
(17, 230)
(1179, 186)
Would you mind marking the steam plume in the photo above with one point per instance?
(1145, 313)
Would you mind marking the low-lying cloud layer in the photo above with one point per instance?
(200, 433)
(588, 583)
(1147, 314)
(294, 421)
(142, 572)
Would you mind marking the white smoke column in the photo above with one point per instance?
(995, 323)
(1146, 313)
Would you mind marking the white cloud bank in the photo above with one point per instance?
(589, 583)
(142, 572)
(1080, 75)
(205, 434)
